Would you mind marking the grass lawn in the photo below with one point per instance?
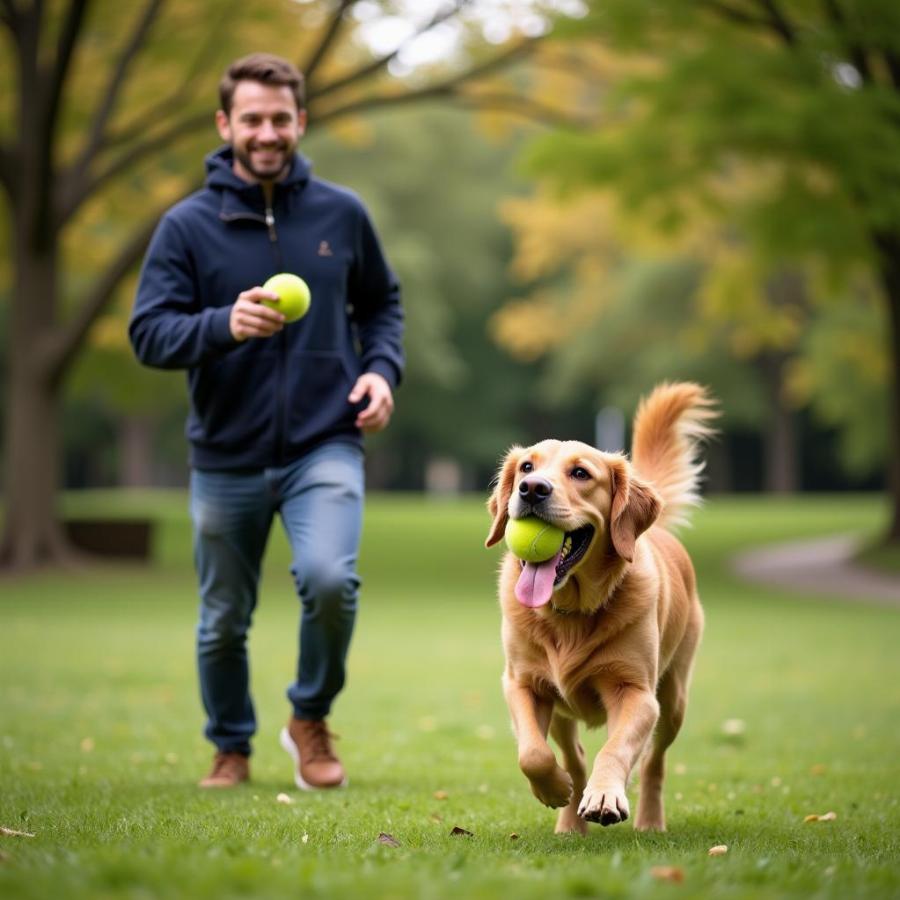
(100, 732)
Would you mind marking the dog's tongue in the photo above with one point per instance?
(535, 585)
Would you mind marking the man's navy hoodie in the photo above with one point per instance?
(265, 401)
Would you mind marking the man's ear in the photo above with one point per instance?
(635, 507)
(498, 502)
(223, 126)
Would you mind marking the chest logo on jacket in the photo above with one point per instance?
(325, 249)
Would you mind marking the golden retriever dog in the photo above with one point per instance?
(605, 632)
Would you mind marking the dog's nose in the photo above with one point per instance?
(534, 490)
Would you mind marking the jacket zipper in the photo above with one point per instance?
(281, 399)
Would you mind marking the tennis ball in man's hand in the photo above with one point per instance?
(533, 539)
(293, 295)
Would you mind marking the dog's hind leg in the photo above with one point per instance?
(672, 696)
(650, 812)
(564, 731)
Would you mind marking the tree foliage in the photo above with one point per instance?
(777, 123)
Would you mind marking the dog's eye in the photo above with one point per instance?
(580, 473)
(526, 467)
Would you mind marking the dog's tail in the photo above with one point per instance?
(669, 429)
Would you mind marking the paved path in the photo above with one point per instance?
(823, 566)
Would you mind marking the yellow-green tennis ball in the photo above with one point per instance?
(293, 295)
(533, 539)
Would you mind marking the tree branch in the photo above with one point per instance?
(447, 88)
(337, 20)
(68, 340)
(12, 16)
(7, 172)
(451, 88)
(116, 81)
(893, 64)
(68, 39)
(525, 107)
(81, 191)
(381, 62)
(735, 15)
(842, 27)
(779, 22)
(9, 16)
(510, 103)
(178, 99)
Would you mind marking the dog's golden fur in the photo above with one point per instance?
(616, 642)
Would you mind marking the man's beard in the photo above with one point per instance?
(244, 159)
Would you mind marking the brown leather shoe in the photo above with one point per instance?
(228, 770)
(315, 763)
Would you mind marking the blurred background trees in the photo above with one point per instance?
(725, 208)
(759, 141)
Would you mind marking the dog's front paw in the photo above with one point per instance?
(551, 784)
(554, 789)
(607, 805)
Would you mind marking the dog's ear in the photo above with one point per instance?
(635, 507)
(498, 502)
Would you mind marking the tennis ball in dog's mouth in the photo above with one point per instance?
(533, 539)
(293, 295)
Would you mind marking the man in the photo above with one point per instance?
(277, 410)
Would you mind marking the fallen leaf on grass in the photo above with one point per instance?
(11, 832)
(441, 795)
(436, 818)
(718, 850)
(87, 744)
(513, 837)
(825, 817)
(388, 840)
(461, 831)
(818, 769)
(286, 799)
(668, 873)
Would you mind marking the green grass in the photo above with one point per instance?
(100, 744)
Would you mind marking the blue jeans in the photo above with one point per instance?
(319, 499)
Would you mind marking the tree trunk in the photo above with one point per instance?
(32, 534)
(135, 451)
(889, 248)
(780, 475)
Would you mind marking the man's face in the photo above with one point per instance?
(263, 129)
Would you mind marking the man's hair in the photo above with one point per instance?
(266, 69)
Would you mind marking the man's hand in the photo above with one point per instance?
(377, 414)
(250, 319)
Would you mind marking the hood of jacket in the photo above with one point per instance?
(220, 176)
